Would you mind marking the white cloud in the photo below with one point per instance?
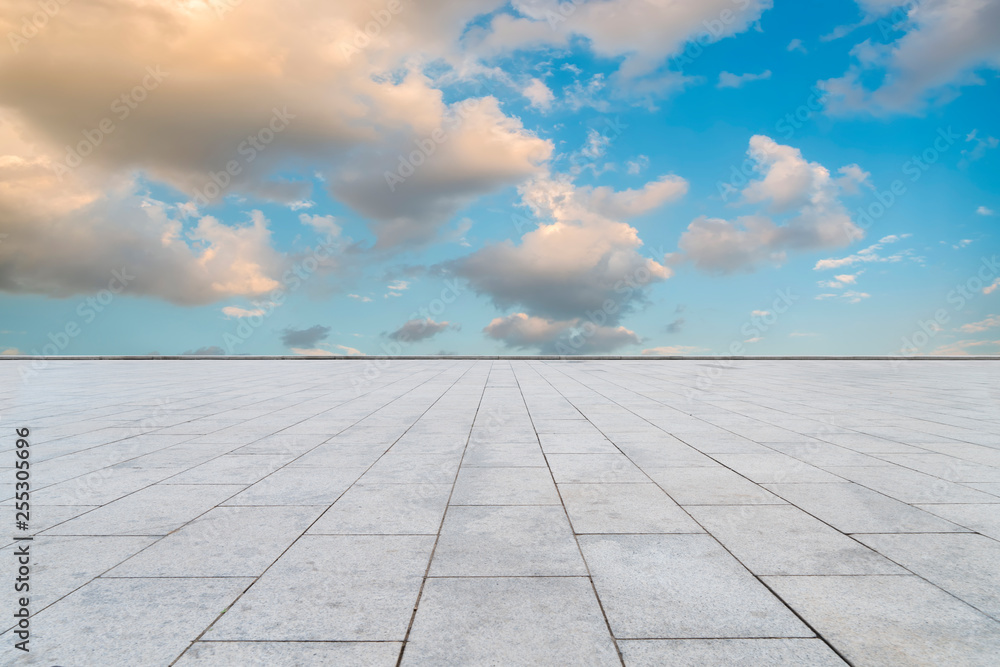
(573, 336)
(760, 313)
(578, 259)
(850, 296)
(673, 351)
(945, 43)
(414, 331)
(840, 281)
(729, 80)
(796, 45)
(866, 255)
(637, 165)
(645, 34)
(789, 185)
(979, 148)
(538, 94)
(323, 352)
(362, 299)
(989, 289)
(961, 348)
(237, 312)
(991, 322)
(982, 210)
(396, 288)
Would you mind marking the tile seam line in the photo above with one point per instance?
(295, 541)
(576, 539)
(444, 515)
(788, 606)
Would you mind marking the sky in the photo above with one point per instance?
(627, 177)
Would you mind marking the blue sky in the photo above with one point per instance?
(618, 176)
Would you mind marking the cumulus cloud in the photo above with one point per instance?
(414, 331)
(412, 185)
(944, 43)
(982, 210)
(573, 336)
(264, 103)
(578, 259)
(81, 235)
(790, 185)
(303, 338)
(538, 94)
(644, 34)
(729, 80)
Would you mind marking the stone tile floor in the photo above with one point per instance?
(524, 512)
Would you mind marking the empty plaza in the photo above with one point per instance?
(505, 512)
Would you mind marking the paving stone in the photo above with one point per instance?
(386, 509)
(60, 565)
(711, 486)
(509, 621)
(155, 510)
(491, 454)
(299, 486)
(892, 620)
(855, 509)
(983, 519)
(148, 461)
(624, 508)
(292, 654)
(355, 588)
(125, 621)
(681, 586)
(728, 652)
(781, 539)
(774, 468)
(964, 564)
(576, 443)
(594, 469)
(223, 542)
(227, 469)
(911, 486)
(414, 469)
(482, 541)
(504, 486)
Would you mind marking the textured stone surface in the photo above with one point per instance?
(508, 512)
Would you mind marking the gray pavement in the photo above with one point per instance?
(506, 512)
